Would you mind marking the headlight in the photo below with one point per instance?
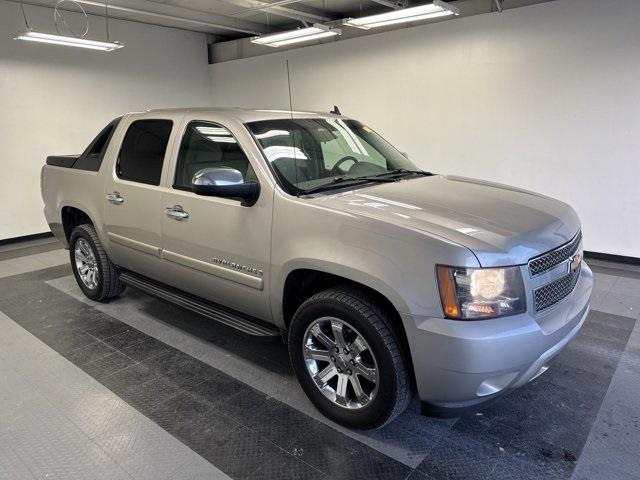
(477, 293)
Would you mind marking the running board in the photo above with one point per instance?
(232, 319)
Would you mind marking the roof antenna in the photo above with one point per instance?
(293, 132)
(336, 110)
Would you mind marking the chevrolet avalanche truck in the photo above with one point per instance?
(384, 279)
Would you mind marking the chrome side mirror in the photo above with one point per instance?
(227, 183)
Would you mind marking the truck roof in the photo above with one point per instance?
(242, 114)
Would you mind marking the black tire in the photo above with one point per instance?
(361, 311)
(108, 284)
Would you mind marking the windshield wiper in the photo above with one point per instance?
(405, 171)
(339, 181)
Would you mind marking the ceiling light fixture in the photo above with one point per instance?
(280, 39)
(32, 36)
(74, 39)
(412, 14)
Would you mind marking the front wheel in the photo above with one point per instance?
(348, 359)
(94, 272)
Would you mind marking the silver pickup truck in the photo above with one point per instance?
(384, 279)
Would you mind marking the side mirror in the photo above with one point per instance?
(227, 183)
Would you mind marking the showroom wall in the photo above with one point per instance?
(544, 97)
(54, 100)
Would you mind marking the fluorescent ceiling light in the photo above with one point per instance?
(422, 12)
(221, 139)
(213, 130)
(272, 133)
(306, 34)
(32, 36)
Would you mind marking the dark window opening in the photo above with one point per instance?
(143, 149)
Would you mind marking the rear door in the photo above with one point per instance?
(133, 195)
(216, 248)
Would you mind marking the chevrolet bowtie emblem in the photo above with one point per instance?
(575, 262)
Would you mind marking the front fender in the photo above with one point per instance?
(348, 272)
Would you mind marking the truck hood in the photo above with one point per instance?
(501, 225)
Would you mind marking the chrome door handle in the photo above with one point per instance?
(176, 212)
(115, 198)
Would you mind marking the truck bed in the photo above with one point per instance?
(66, 161)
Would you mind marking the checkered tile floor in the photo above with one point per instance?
(138, 388)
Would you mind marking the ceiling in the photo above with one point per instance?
(231, 19)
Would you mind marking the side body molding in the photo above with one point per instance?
(217, 270)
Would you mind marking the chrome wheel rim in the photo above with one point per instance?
(340, 363)
(86, 264)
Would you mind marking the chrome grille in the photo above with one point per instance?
(555, 257)
(552, 293)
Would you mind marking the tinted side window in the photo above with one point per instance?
(91, 158)
(209, 145)
(142, 151)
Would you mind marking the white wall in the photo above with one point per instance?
(544, 97)
(54, 100)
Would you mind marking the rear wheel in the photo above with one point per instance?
(347, 358)
(94, 272)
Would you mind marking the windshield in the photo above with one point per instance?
(307, 154)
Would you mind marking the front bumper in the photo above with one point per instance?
(459, 364)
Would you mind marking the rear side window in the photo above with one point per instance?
(91, 158)
(209, 145)
(142, 152)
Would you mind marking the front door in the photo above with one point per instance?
(215, 247)
(133, 196)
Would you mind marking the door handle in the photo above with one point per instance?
(176, 212)
(115, 198)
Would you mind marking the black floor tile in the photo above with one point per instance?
(90, 353)
(602, 331)
(418, 475)
(107, 365)
(151, 393)
(584, 360)
(180, 368)
(597, 347)
(454, 459)
(218, 388)
(478, 427)
(245, 454)
(616, 321)
(245, 407)
(322, 447)
(130, 379)
(105, 327)
(126, 339)
(367, 463)
(280, 423)
(279, 465)
(535, 461)
(140, 387)
(577, 379)
(184, 416)
(237, 452)
(148, 348)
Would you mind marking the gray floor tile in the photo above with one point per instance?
(58, 410)
(618, 306)
(603, 282)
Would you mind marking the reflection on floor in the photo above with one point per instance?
(153, 391)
